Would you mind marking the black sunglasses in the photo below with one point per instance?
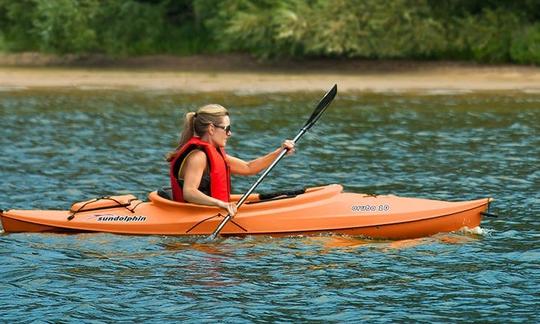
(227, 129)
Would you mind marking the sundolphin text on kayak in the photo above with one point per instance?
(325, 209)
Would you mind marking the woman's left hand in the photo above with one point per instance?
(289, 145)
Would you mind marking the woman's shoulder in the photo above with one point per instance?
(196, 156)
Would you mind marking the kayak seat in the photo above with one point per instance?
(165, 192)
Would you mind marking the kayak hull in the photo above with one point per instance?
(320, 210)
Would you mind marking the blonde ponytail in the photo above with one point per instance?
(188, 131)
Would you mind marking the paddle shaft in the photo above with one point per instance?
(317, 113)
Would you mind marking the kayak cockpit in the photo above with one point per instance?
(162, 197)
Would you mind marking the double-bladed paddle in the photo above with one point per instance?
(317, 113)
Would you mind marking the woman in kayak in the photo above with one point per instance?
(199, 167)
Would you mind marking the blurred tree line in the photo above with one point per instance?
(481, 30)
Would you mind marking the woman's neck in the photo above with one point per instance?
(206, 138)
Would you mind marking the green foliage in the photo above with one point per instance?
(526, 45)
(250, 26)
(481, 30)
(489, 35)
(349, 28)
(60, 26)
(129, 27)
(114, 27)
(16, 24)
(375, 29)
(65, 26)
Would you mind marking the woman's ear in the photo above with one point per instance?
(211, 129)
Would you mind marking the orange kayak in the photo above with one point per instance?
(324, 209)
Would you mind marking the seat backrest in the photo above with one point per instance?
(165, 192)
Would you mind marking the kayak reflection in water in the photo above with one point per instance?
(199, 167)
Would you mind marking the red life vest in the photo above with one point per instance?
(220, 178)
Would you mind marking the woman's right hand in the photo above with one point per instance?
(230, 207)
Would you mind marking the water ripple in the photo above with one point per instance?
(64, 146)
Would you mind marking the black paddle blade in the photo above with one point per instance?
(321, 107)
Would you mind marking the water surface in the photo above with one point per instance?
(61, 146)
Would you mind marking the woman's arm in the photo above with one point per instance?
(194, 167)
(241, 167)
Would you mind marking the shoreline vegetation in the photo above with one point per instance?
(243, 73)
(494, 31)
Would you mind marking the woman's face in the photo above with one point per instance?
(222, 132)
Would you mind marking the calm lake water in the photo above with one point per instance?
(61, 146)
